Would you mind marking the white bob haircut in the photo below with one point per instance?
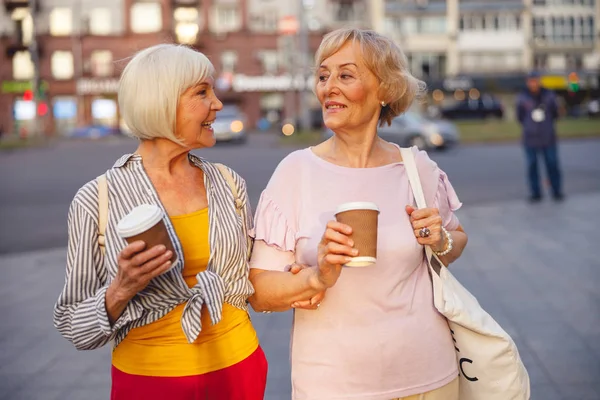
(151, 84)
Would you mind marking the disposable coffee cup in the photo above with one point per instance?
(363, 218)
(145, 222)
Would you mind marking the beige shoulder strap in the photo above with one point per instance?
(415, 183)
(408, 158)
(102, 210)
(229, 178)
(238, 202)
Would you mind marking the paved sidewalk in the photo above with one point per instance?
(533, 267)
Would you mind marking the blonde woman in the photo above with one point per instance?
(375, 335)
(182, 333)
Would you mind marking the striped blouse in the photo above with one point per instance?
(80, 313)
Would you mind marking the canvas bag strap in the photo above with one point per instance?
(410, 165)
(229, 178)
(238, 202)
(102, 210)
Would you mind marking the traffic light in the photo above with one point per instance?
(28, 95)
(573, 82)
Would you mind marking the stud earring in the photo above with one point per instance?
(383, 104)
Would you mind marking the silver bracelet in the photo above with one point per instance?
(449, 245)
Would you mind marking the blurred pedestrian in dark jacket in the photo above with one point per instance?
(537, 111)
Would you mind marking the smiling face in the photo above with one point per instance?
(348, 91)
(197, 109)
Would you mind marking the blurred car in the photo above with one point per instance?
(95, 132)
(230, 125)
(486, 106)
(412, 129)
(593, 108)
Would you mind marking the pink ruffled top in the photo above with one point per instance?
(376, 334)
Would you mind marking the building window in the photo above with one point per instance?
(23, 27)
(540, 62)
(574, 61)
(393, 26)
(229, 60)
(226, 19)
(61, 21)
(563, 30)
(509, 22)
(267, 21)
(426, 25)
(345, 11)
(490, 62)
(270, 61)
(569, 29)
(22, 66)
(495, 23)
(490, 22)
(427, 65)
(539, 2)
(146, 17)
(539, 28)
(588, 29)
(472, 22)
(62, 64)
(434, 25)
(102, 63)
(186, 24)
(100, 21)
(408, 25)
(557, 29)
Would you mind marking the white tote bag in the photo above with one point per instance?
(489, 364)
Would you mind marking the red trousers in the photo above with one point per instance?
(245, 380)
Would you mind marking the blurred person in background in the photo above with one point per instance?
(537, 112)
(182, 333)
(375, 333)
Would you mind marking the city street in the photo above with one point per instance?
(531, 266)
(38, 184)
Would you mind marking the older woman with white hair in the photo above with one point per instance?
(375, 334)
(177, 319)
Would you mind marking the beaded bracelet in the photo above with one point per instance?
(449, 245)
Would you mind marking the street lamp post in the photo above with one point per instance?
(304, 52)
(77, 49)
(35, 59)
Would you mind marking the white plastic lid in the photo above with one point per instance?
(139, 220)
(356, 205)
(361, 262)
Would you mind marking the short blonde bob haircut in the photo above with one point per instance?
(397, 87)
(151, 84)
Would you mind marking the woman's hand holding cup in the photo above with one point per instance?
(335, 250)
(138, 266)
(148, 254)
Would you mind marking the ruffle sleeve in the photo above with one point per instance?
(272, 226)
(447, 202)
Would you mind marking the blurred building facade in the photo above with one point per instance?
(259, 47)
(262, 49)
(490, 45)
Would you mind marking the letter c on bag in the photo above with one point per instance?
(462, 371)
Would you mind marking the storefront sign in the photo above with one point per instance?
(97, 86)
(554, 82)
(20, 86)
(288, 25)
(281, 83)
